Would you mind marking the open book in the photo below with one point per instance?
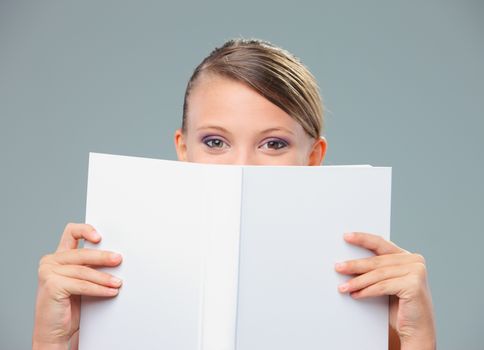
(229, 257)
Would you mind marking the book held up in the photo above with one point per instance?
(233, 257)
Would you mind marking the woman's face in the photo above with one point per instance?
(229, 123)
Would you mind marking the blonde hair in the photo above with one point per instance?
(273, 72)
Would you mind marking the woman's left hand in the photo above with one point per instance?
(400, 274)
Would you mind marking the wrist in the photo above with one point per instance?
(421, 335)
(37, 345)
(427, 343)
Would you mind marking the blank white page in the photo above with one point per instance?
(166, 219)
(293, 220)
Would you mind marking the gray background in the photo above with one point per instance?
(403, 87)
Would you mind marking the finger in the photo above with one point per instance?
(365, 265)
(72, 286)
(87, 274)
(85, 256)
(74, 232)
(404, 287)
(375, 243)
(373, 277)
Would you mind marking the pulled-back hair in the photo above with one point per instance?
(273, 72)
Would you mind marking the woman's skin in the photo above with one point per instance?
(229, 123)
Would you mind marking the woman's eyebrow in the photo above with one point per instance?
(276, 129)
(228, 132)
(213, 127)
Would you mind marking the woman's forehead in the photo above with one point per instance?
(216, 100)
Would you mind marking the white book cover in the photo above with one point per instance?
(230, 257)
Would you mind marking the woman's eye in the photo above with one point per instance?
(275, 144)
(214, 143)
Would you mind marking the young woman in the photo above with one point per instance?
(248, 102)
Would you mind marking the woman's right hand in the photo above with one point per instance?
(63, 277)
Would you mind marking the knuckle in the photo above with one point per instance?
(43, 273)
(83, 288)
(45, 259)
(81, 272)
(77, 253)
(421, 270)
(71, 226)
(376, 261)
(51, 284)
(419, 257)
(380, 274)
(381, 288)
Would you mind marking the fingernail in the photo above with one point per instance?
(343, 287)
(115, 256)
(96, 234)
(348, 234)
(340, 266)
(113, 291)
(115, 280)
